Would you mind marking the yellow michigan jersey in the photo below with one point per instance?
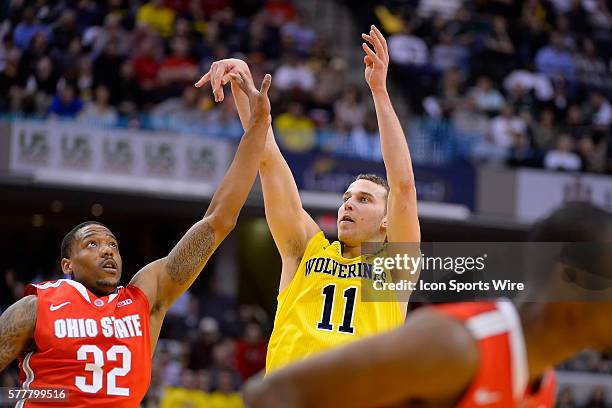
(322, 308)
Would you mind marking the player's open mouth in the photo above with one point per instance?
(346, 218)
(109, 265)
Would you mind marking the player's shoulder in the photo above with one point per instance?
(316, 243)
(132, 293)
(57, 290)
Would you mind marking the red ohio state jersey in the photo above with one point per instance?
(502, 379)
(98, 348)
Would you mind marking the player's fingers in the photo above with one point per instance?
(378, 47)
(226, 79)
(381, 38)
(215, 82)
(367, 61)
(370, 53)
(242, 82)
(248, 83)
(265, 84)
(368, 38)
(236, 78)
(203, 80)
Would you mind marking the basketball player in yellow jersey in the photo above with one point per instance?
(319, 303)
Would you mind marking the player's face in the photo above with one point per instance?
(362, 216)
(95, 260)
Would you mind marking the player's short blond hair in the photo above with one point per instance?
(376, 179)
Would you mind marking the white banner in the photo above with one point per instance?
(539, 192)
(59, 153)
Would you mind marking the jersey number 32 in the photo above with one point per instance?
(96, 368)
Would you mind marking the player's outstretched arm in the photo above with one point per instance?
(403, 221)
(166, 279)
(290, 225)
(17, 325)
(432, 357)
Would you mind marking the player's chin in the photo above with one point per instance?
(108, 284)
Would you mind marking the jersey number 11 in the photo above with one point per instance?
(349, 309)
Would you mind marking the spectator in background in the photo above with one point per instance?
(107, 69)
(66, 103)
(544, 131)
(127, 89)
(591, 155)
(146, 67)
(157, 16)
(591, 70)
(449, 98)
(407, 49)
(553, 59)
(563, 157)
(444, 8)
(251, 351)
(27, 28)
(280, 11)
(448, 53)
(350, 108)
(226, 395)
(9, 88)
(179, 69)
(85, 78)
(602, 111)
(65, 31)
(507, 127)
(179, 113)
(202, 343)
(566, 37)
(294, 74)
(485, 97)
(188, 394)
(41, 85)
(498, 49)
(110, 32)
(295, 131)
(364, 141)
(99, 111)
(300, 34)
(39, 47)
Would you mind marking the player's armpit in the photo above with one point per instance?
(17, 326)
(432, 357)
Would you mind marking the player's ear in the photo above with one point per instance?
(384, 224)
(66, 266)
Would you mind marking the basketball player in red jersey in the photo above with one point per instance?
(467, 355)
(95, 338)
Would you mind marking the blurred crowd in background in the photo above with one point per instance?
(526, 83)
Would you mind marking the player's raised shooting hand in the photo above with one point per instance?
(219, 75)
(377, 61)
(259, 103)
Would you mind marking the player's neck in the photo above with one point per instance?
(351, 251)
(556, 331)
